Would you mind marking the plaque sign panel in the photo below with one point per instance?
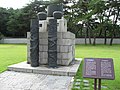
(100, 68)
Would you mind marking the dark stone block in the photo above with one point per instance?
(52, 8)
(52, 59)
(34, 43)
(42, 16)
(52, 28)
(52, 43)
(57, 14)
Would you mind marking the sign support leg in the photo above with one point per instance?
(99, 84)
(95, 84)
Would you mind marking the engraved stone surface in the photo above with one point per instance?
(52, 43)
(34, 43)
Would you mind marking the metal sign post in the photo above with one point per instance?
(95, 84)
(99, 84)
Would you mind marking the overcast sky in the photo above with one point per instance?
(13, 3)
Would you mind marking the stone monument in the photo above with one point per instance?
(50, 51)
(49, 42)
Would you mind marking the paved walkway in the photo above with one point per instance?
(11, 80)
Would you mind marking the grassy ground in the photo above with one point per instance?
(11, 53)
(99, 51)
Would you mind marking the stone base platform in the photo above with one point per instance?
(43, 69)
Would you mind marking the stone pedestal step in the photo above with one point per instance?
(43, 69)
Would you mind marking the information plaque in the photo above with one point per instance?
(100, 68)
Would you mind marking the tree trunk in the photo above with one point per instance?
(85, 36)
(105, 41)
(113, 35)
(94, 41)
(89, 33)
(111, 41)
(100, 33)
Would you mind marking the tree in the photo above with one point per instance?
(96, 17)
(86, 18)
(3, 20)
(115, 12)
(19, 20)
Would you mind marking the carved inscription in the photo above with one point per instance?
(52, 43)
(106, 68)
(34, 43)
(91, 67)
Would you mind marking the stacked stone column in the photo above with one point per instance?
(34, 43)
(52, 43)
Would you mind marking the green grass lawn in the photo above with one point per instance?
(100, 51)
(11, 54)
(14, 53)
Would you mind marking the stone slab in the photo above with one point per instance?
(43, 41)
(11, 80)
(64, 42)
(43, 69)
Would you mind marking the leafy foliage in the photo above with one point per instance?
(3, 20)
(1, 35)
(86, 18)
(94, 18)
